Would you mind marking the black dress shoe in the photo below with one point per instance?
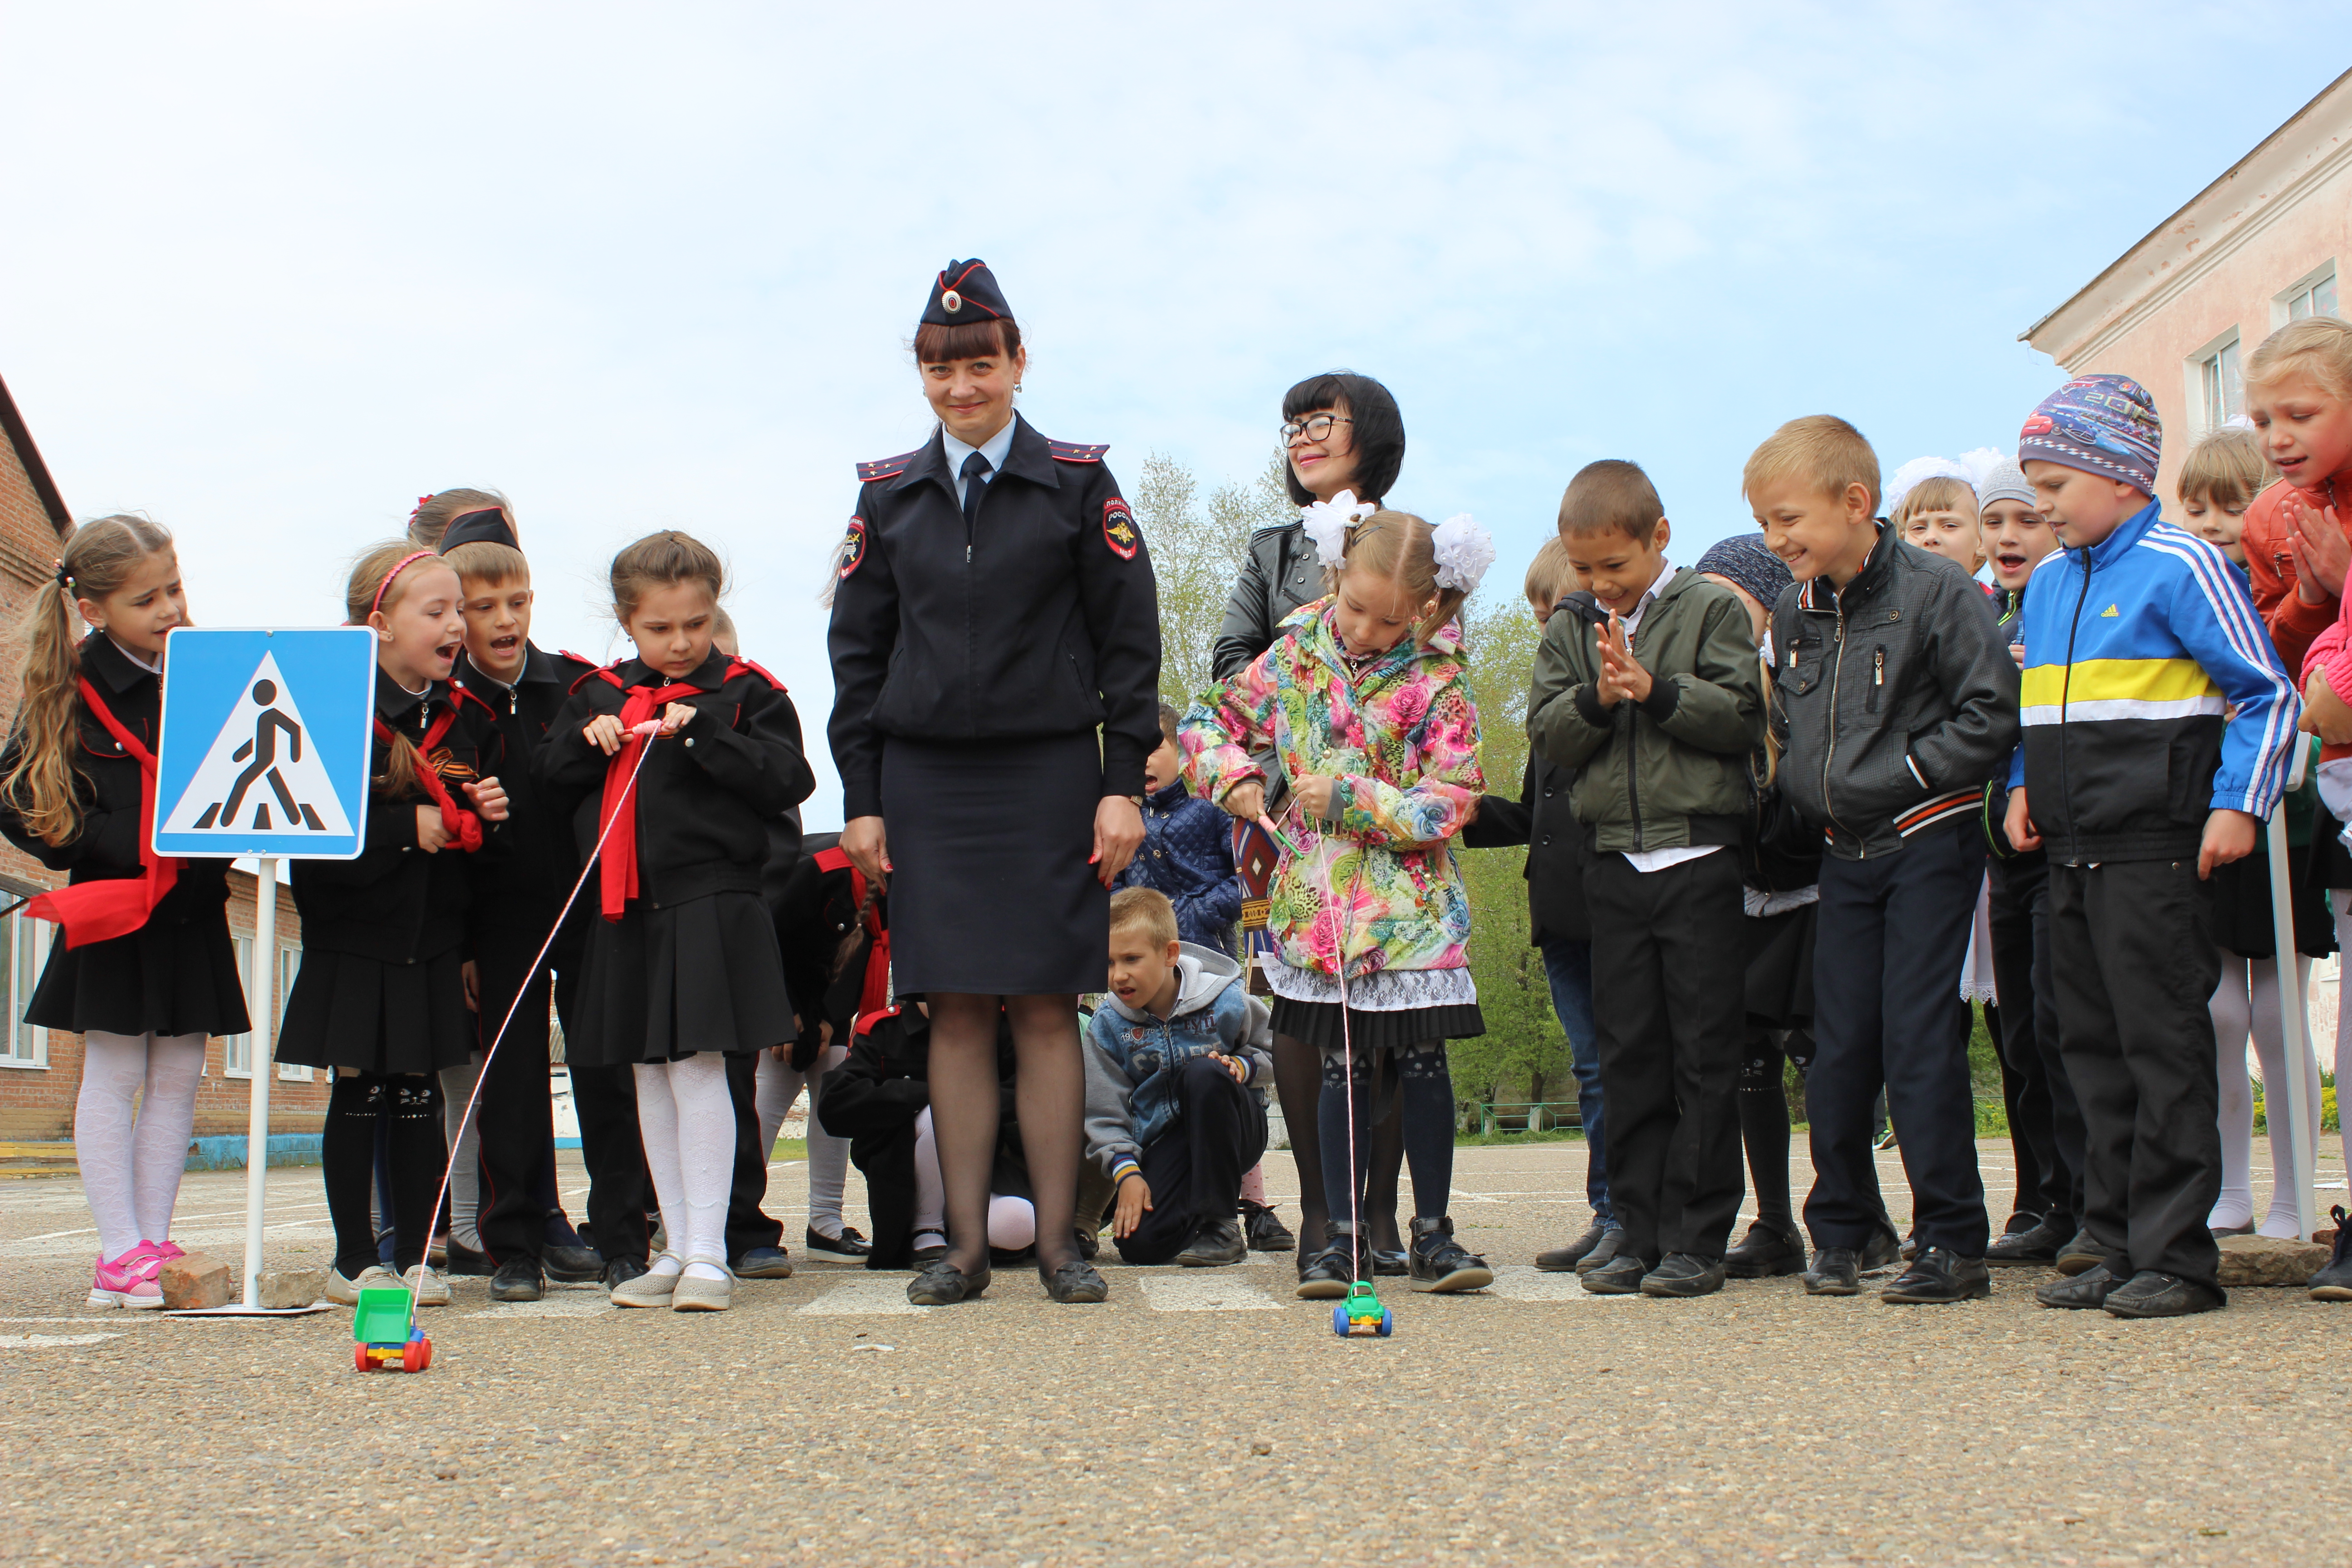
(1327, 1276)
(922, 1257)
(1441, 1264)
(942, 1284)
(1561, 1259)
(1835, 1272)
(573, 1264)
(1621, 1276)
(1385, 1261)
(619, 1271)
(2038, 1244)
(847, 1248)
(2080, 1253)
(1089, 1243)
(1266, 1230)
(2149, 1294)
(1612, 1243)
(1075, 1282)
(2333, 1283)
(517, 1279)
(1684, 1274)
(464, 1260)
(1881, 1251)
(1764, 1253)
(1216, 1243)
(2080, 1293)
(1938, 1275)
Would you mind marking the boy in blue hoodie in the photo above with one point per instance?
(1173, 1116)
(2158, 729)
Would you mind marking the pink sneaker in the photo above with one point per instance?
(128, 1281)
(166, 1250)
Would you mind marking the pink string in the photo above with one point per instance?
(1344, 924)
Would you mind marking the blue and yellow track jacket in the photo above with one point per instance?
(2135, 649)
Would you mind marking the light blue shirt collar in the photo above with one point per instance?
(995, 449)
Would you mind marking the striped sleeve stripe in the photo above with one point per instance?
(2099, 710)
(1926, 814)
(2244, 631)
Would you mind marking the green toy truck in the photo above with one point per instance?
(384, 1334)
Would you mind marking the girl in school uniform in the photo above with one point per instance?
(143, 968)
(381, 997)
(683, 970)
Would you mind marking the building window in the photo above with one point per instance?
(289, 965)
(2224, 396)
(27, 1046)
(240, 1047)
(238, 1058)
(2314, 299)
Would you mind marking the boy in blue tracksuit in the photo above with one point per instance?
(1173, 1116)
(1188, 849)
(2158, 729)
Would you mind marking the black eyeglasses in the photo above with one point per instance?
(1314, 428)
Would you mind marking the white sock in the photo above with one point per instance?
(931, 1189)
(1012, 1223)
(779, 1084)
(658, 1127)
(113, 1067)
(167, 1121)
(2269, 1045)
(466, 1170)
(2232, 1019)
(2342, 901)
(829, 1157)
(706, 1159)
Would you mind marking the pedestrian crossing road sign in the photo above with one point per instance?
(266, 742)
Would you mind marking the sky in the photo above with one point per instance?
(274, 271)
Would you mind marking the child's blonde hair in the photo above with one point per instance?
(1936, 492)
(722, 633)
(1549, 576)
(1147, 907)
(1822, 450)
(435, 512)
(1397, 546)
(2317, 346)
(663, 559)
(379, 581)
(489, 563)
(97, 560)
(2227, 469)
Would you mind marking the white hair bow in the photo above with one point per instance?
(1328, 522)
(1463, 551)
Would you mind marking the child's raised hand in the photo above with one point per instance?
(677, 716)
(2018, 823)
(430, 833)
(2321, 554)
(1619, 667)
(489, 798)
(1314, 793)
(2325, 714)
(1233, 1065)
(1246, 800)
(1134, 1200)
(604, 733)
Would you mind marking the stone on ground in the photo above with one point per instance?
(196, 1279)
(2269, 1260)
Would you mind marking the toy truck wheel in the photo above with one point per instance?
(1388, 1322)
(416, 1355)
(359, 1354)
(1340, 1322)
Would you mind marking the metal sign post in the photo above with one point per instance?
(2292, 1025)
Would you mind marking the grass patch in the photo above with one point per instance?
(1512, 1139)
(790, 1148)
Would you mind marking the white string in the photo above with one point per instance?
(1344, 924)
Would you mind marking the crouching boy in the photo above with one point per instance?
(1173, 1115)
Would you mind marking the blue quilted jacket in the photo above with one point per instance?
(1187, 854)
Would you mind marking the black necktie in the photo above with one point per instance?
(976, 469)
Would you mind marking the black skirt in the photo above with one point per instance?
(660, 984)
(1781, 967)
(2241, 905)
(991, 894)
(367, 1015)
(169, 977)
(1317, 1024)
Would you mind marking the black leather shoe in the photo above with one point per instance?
(1612, 1243)
(1764, 1253)
(1266, 1230)
(1385, 1261)
(2080, 1253)
(1089, 1243)
(517, 1279)
(2333, 1283)
(573, 1264)
(1440, 1263)
(619, 1271)
(762, 1263)
(1076, 1283)
(2036, 1244)
(1938, 1275)
(1216, 1243)
(466, 1260)
(1327, 1274)
(1561, 1259)
(943, 1285)
(1834, 1272)
(847, 1248)
(2149, 1294)
(1684, 1274)
(1881, 1251)
(922, 1257)
(2081, 1293)
(1621, 1276)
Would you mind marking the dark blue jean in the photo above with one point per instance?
(1568, 964)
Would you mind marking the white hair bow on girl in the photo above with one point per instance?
(1463, 551)
(1328, 522)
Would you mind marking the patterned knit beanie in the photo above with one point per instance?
(2104, 425)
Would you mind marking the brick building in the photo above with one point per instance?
(40, 1070)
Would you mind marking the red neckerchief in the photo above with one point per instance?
(462, 824)
(874, 996)
(95, 911)
(616, 877)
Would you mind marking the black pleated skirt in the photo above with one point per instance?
(991, 894)
(662, 984)
(1781, 967)
(2241, 906)
(1317, 1024)
(367, 1015)
(169, 977)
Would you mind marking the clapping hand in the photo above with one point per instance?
(1622, 675)
(2321, 554)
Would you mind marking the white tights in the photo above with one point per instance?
(779, 1086)
(688, 1120)
(465, 1167)
(131, 1168)
(2341, 902)
(1012, 1222)
(2247, 1000)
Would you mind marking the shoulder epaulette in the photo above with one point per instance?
(1077, 451)
(745, 666)
(588, 675)
(579, 658)
(887, 468)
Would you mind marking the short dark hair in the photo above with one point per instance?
(1377, 433)
(997, 339)
(1612, 495)
(1168, 719)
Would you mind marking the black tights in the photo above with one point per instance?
(1299, 1085)
(1049, 1100)
(1424, 1111)
(1764, 1116)
(408, 1106)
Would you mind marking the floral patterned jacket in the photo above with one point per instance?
(1400, 736)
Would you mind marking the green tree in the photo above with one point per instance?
(1196, 553)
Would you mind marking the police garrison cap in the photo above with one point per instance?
(965, 292)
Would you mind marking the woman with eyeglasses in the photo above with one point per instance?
(1341, 431)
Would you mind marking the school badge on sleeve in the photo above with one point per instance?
(853, 546)
(1118, 530)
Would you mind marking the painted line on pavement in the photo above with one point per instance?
(49, 1341)
(862, 1298)
(1199, 1290)
(1526, 1282)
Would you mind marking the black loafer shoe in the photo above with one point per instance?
(467, 1261)
(1440, 1263)
(762, 1263)
(1389, 1263)
(2037, 1243)
(2149, 1294)
(1327, 1276)
(1835, 1272)
(517, 1279)
(1612, 1243)
(1265, 1229)
(1561, 1259)
(1621, 1276)
(2333, 1283)
(619, 1271)
(2079, 1293)
(2080, 1253)
(922, 1257)
(1938, 1275)
(1074, 1283)
(942, 1284)
(1216, 1243)
(1765, 1253)
(847, 1248)
(1883, 1250)
(1684, 1274)
(573, 1264)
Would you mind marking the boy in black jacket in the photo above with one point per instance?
(1894, 699)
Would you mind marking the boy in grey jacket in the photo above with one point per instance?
(1649, 685)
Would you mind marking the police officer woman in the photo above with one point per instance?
(994, 608)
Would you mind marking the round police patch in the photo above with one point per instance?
(853, 546)
(1118, 530)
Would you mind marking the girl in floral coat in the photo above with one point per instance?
(1366, 706)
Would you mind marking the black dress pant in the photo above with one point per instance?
(748, 1228)
(612, 1144)
(1194, 1168)
(512, 1107)
(2045, 1123)
(2133, 956)
(1893, 934)
(1669, 1008)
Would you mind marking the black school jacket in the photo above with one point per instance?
(815, 911)
(527, 872)
(1041, 620)
(106, 783)
(708, 792)
(1543, 820)
(395, 903)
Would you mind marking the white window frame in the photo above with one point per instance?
(236, 1046)
(289, 965)
(2194, 372)
(2282, 302)
(27, 1046)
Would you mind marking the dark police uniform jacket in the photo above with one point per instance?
(1042, 621)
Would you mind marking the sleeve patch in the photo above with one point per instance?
(853, 547)
(1118, 530)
